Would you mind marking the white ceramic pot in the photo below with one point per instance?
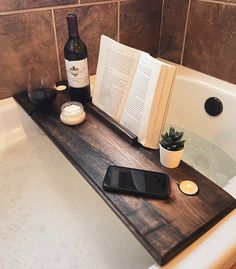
(169, 158)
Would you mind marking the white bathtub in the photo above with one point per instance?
(210, 149)
(210, 141)
(49, 216)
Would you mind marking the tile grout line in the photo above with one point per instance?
(118, 21)
(162, 15)
(219, 2)
(56, 44)
(12, 12)
(185, 33)
(98, 3)
(36, 9)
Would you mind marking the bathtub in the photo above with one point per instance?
(210, 140)
(51, 217)
(211, 149)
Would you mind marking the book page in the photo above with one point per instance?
(115, 71)
(139, 103)
(163, 106)
(151, 136)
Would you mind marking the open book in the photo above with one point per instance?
(134, 89)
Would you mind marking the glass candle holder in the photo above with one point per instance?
(72, 113)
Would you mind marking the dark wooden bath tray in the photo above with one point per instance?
(164, 227)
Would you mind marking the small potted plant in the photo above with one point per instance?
(171, 148)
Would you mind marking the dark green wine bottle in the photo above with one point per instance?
(76, 61)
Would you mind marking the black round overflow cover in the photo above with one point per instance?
(213, 106)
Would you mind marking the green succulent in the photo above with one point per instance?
(172, 140)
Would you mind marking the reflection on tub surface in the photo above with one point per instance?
(207, 158)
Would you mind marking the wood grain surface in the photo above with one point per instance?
(110, 122)
(164, 227)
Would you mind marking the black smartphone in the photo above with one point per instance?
(137, 182)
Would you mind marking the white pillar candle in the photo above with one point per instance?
(72, 113)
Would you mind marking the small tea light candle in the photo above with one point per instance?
(72, 113)
(188, 187)
(61, 87)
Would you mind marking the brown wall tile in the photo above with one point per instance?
(173, 27)
(25, 40)
(25, 4)
(93, 21)
(140, 24)
(211, 39)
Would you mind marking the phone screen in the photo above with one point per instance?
(136, 181)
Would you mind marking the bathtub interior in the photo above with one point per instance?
(206, 157)
(15, 124)
(49, 215)
(210, 141)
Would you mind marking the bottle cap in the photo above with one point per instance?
(72, 24)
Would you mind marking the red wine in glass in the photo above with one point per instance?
(41, 89)
(43, 96)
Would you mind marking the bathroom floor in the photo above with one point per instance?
(51, 218)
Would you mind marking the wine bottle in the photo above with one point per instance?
(76, 61)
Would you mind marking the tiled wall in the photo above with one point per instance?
(34, 32)
(197, 33)
(201, 34)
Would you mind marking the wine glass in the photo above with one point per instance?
(41, 89)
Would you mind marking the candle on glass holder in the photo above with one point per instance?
(188, 187)
(72, 113)
(61, 87)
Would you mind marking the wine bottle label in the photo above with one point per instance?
(77, 73)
